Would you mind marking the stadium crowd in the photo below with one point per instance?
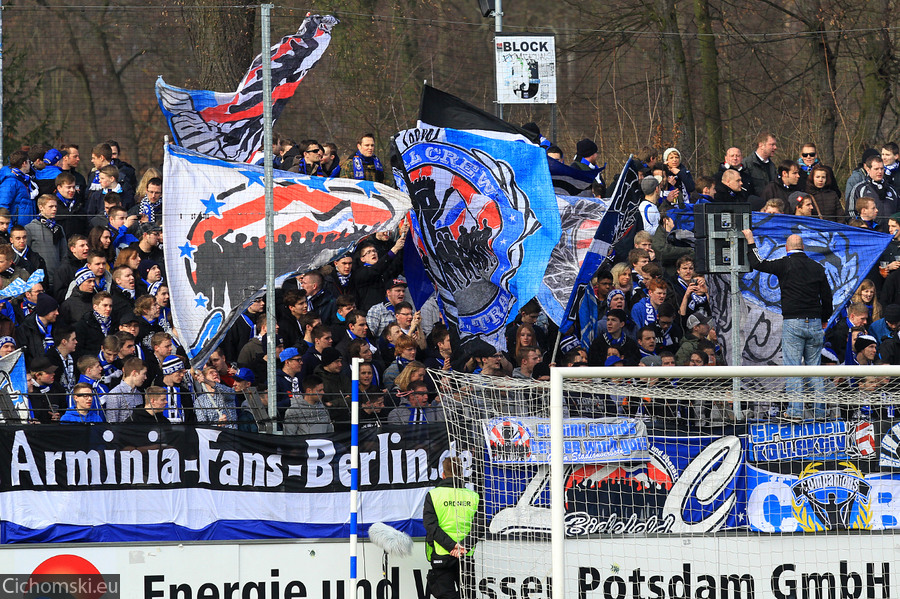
(97, 332)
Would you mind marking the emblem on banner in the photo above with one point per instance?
(832, 499)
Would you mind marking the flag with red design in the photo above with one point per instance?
(485, 222)
(229, 125)
(215, 238)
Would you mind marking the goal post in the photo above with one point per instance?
(652, 481)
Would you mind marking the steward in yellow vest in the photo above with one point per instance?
(451, 532)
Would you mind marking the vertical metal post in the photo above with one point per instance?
(557, 483)
(354, 470)
(2, 158)
(735, 321)
(498, 27)
(265, 19)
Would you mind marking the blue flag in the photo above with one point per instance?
(486, 220)
(847, 253)
(619, 218)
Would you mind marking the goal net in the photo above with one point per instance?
(693, 482)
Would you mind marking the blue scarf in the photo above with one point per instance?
(47, 330)
(67, 203)
(359, 162)
(104, 322)
(147, 210)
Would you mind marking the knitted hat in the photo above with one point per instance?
(585, 148)
(862, 342)
(669, 151)
(145, 266)
(45, 304)
(5, 340)
(330, 356)
(651, 361)
(891, 313)
(171, 365)
(613, 360)
(83, 274)
(245, 374)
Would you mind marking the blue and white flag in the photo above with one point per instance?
(214, 230)
(486, 222)
(618, 220)
(579, 219)
(14, 380)
(229, 125)
(568, 181)
(847, 253)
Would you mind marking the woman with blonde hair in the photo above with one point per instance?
(865, 294)
(149, 205)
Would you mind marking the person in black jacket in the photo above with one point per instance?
(35, 334)
(806, 306)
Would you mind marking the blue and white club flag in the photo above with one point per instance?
(14, 380)
(619, 218)
(214, 231)
(579, 219)
(487, 221)
(847, 253)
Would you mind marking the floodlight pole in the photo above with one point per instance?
(265, 18)
(498, 28)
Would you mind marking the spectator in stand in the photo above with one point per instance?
(69, 164)
(95, 325)
(107, 178)
(808, 161)
(61, 355)
(179, 401)
(148, 246)
(730, 189)
(337, 282)
(379, 315)
(17, 190)
(342, 306)
(68, 209)
(27, 259)
(613, 336)
(83, 411)
(45, 167)
(806, 305)
(801, 204)
(646, 340)
(322, 338)
(677, 177)
(415, 408)
(5, 221)
(840, 335)
(364, 164)
(306, 414)
(759, 166)
(405, 349)
(331, 162)
(699, 331)
(101, 157)
(890, 154)
(80, 301)
(243, 329)
(35, 334)
(310, 163)
(668, 332)
(868, 213)
(45, 395)
(100, 241)
(874, 186)
(123, 294)
(585, 156)
(370, 276)
(695, 299)
(527, 359)
(152, 410)
(129, 176)
(148, 194)
(820, 184)
(26, 303)
(149, 278)
(47, 237)
(786, 184)
(92, 373)
(289, 326)
(647, 208)
(733, 161)
(336, 387)
(887, 325)
(356, 328)
(645, 311)
(122, 399)
(74, 260)
(213, 402)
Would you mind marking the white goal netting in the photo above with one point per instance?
(687, 485)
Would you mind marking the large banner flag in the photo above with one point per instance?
(440, 109)
(618, 220)
(214, 228)
(579, 218)
(14, 380)
(568, 181)
(229, 125)
(847, 253)
(485, 221)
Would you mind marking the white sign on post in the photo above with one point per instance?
(526, 69)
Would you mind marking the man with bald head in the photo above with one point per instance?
(806, 306)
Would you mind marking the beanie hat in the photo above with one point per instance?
(669, 151)
(862, 342)
(585, 148)
(330, 355)
(45, 304)
(171, 365)
(892, 313)
(649, 185)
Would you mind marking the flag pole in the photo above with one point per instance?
(265, 16)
